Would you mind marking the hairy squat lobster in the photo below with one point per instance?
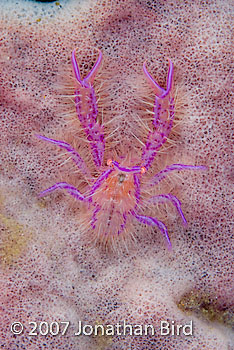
(114, 198)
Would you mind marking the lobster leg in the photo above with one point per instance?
(173, 199)
(65, 186)
(148, 220)
(75, 155)
(87, 109)
(163, 173)
(163, 116)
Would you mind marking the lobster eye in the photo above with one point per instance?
(121, 178)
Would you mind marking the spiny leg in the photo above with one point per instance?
(163, 116)
(64, 186)
(94, 216)
(148, 220)
(87, 109)
(75, 155)
(73, 191)
(160, 92)
(90, 77)
(163, 173)
(99, 181)
(161, 198)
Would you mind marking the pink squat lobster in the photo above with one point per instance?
(115, 196)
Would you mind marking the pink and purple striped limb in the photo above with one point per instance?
(87, 113)
(95, 135)
(75, 155)
(160, 92)
(90, 77)
(163, 116)
(134, 170)
(94, 216)
(64, 186)
(87, 109)
(154, 141)
(137, 189)
(163, 173)
(99, 181)
(174, 200)
(148, 220)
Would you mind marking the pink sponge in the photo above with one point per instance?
(49, 272)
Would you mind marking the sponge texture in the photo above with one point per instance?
(49, 273)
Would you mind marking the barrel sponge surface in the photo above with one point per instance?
(49, 272)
